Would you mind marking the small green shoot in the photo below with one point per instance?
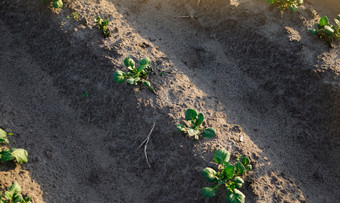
(136, 75)
(102, 26)
(86, 94)
(195, 129)
(161, 73)
(326, 30)
(228, 175)
(55, 3)
(13, 195)
(286, 4)
(20, 155)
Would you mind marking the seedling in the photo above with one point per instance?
(195, 129)
(228, 175)
(136, 75)
(13, 195)
(75, 16)
(327, 31)
(286, 4)
(86, 94)
(55, 3)
(20, 155)
(102, 26)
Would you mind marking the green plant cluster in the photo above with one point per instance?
(103, 26)
(195, 129)
(327, 31)
(135, 75)
(13, 195)
(228, 176)
(20, 155)
(55, 3)
(286, 4)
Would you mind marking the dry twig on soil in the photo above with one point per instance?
(145, 143)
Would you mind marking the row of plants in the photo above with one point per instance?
(228, 175)
(12, 195)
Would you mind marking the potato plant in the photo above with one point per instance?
(286, 4)
(55, 3)
(327, 31)
(195, 129)
(135, 75)
(12, 195)
(19, 155)
(227, 176)
(103, 26)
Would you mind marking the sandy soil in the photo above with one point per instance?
(252, 71)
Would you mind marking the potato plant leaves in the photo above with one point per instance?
(235, 196)
(135, 75)
(221, 156)
(208, 192)
(20, 155)
(227, 175)
(195, 129)
(13, 195)
(3, 137)
(327, 31)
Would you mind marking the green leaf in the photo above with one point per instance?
(329, 31)
(133, 81)
(129, 62)
(209, 174)
(208, 192)
(15, 188)
(57, 3)
(200, 119)
(5, 155)
(17, 198)
(323, 21)
(190, 115)
(147, 84)
(313, 31)
(221, 156)
(20, 155)
(181, 128)
(229, 170)
(3, 137)
(144, 61)
(338, 17)
(118, 76)
(238, 182)
(270, 1)
(193, 132)
(106, 22)
(240, 168)
(27, 199)
(235, 196)
(299, 2)
(293, 8)
(337, 22)
(245, 160)
(209, 132)
(249, 167)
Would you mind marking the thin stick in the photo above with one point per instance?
(145, 143)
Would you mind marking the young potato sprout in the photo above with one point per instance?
(228, 175)
(195, 129)
(286, 4)
(135, 75)
(103, 26)
(12, 195)
(55, 3)
(326, 30)
(19, 155)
